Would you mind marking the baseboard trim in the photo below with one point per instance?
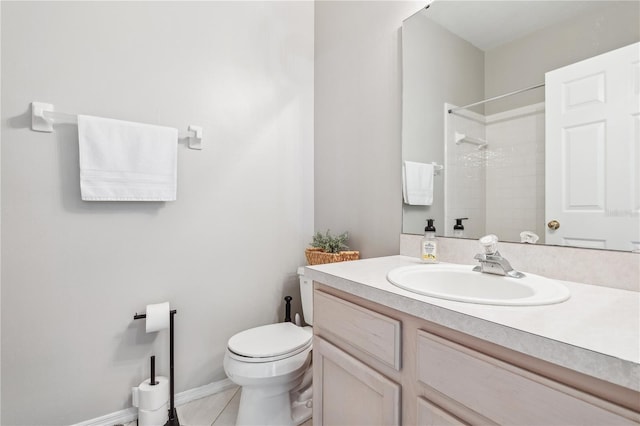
(130, 414)
(203, 391)
(116, 418)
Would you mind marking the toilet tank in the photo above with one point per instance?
(306, 296)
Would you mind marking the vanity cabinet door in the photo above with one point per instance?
(349, 392)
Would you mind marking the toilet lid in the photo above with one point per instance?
(270, 340)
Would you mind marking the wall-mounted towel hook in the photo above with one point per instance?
(39, 122)
(195, 136)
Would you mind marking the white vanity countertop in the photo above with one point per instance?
(596, 331)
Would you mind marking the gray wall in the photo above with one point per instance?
(0, 221)
(358, 121)
(224, 254)
(438, 67)
(523, 62)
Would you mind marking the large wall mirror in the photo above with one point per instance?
(524, 118)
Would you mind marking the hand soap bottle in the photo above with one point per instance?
(429, 246)
(458, 228)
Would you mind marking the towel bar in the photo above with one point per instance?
(462, 138)
(437, 167)
(44, 115)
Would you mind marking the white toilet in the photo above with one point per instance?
(272, 363)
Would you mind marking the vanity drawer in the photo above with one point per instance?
(430, 414)
(370, 332)
(504, 393)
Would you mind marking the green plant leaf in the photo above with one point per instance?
(330, 243)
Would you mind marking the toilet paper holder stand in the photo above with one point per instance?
(173, 414)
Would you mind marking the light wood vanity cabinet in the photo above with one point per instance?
(350, 392)
(374, 365)
(503, 393)
(431, 414)
(348, 389)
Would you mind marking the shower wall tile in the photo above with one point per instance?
(465, 169)
(515, 172)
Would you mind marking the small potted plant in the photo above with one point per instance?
(326, 248)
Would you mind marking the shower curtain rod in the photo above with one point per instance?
(495, 98)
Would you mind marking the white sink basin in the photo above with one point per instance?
(460, 283)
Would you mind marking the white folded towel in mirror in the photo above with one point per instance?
(417, 183)
(125, 161)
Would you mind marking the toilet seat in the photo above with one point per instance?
(269, 342)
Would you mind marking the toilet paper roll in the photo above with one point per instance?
(157, 317)
(152, 397)
(157, 417)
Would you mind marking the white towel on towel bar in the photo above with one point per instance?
(417, 183)
(125, 161)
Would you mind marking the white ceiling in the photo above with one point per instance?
(488, 24)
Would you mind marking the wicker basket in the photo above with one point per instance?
(316, 256)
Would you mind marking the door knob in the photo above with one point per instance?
(554, 224)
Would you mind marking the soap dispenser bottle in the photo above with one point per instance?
(458, 228)
(429, 246)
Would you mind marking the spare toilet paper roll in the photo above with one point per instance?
(157, 417)
(157, 317)
(153, 397)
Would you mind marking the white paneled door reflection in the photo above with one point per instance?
(593, 151)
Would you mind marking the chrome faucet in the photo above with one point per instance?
(491, 262)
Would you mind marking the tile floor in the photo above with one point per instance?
(220, 409)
